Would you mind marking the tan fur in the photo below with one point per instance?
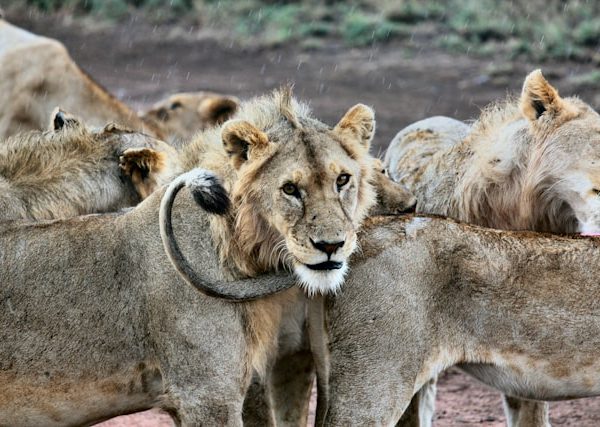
(515, 170)
(249, 237)
(76, 171)
(392, 198)
(515, 309)
(37, 74)
(144, 166)
(526, 164)
(271, 141)
(183, 114)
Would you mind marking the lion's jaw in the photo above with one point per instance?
(319, 273)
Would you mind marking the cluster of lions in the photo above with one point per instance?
(237, 249)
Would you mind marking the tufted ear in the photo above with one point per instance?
(61, 119)
(217, 109)
(142, 165)
(243, 141)
(539, 97)
(358, 123)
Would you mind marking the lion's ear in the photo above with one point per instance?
(217, 109)
(358, 123)
(61, 119)
(243, 141)
(142, 165)
(539, 97)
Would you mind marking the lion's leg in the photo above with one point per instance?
(258, 404)
(525, 413)
(193, 407)
(291, 384)
(422, 407)
(282, 398)
(368, 390)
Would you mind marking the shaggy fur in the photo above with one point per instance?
(272, 141)
(516, 170)
(75, 170)
(527, 164)
(516, 309)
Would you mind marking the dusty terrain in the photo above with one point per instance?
(140, 64)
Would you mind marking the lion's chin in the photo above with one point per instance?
(324, 281)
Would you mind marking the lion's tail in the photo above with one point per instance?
(208, 192)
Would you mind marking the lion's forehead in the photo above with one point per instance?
(314, 156)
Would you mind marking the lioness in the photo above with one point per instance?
(181, 115)
(518, 310)
(299, 191)
(37, 74)
(526, 164)
(74, 170)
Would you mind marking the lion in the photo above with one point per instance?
(282, 394)
(299, 191)
(427, 293)
(181, 115)
(74, 170)
(526, 164)
(37, 74)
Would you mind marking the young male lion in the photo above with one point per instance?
(526, 164)
(300, 190)
(517, 310)
(74, 170)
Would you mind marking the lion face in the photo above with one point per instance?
(183, 114)
(575, 155)
(565, 161)
(308, 187)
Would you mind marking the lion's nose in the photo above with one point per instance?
(328, 247)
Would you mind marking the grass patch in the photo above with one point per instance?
(533, 29)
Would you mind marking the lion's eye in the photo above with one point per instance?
(290, 189)
(342, 180)
(596, 191)
(176, 105)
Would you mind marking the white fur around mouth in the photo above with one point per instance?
(320, 281)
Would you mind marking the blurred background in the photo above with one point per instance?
(408, 59)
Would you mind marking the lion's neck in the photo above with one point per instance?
(248, 246)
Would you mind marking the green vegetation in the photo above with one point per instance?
(534, 29)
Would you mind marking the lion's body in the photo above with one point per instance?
(517, 310)
(76, 171)
(525, 164)
(205, 350)
(413, 148)
(37, 74)
(96, 326)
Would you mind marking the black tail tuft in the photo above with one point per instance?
(210, 194)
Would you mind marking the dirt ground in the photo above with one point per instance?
(140, 64)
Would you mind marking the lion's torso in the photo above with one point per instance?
(37, 75)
